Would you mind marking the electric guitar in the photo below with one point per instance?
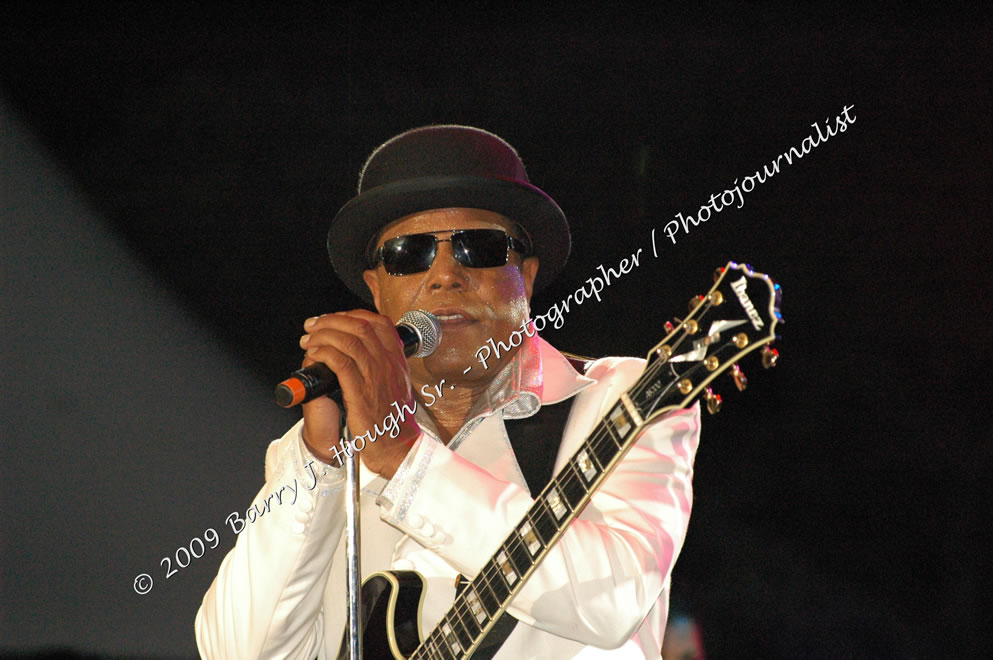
(737, 316)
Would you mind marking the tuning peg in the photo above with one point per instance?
(695, 302)
(713, 402)
(718, 272)
(740, 380)
(770, 357)
(669, 327)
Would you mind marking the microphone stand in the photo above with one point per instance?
(352, 548)
(353, 566)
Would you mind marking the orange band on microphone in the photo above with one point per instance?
(297, 389)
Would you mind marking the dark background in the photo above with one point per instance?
(842, 502)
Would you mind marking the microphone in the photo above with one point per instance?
(420, 332)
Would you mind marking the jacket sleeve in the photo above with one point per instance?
(266, 599)
(608, 569)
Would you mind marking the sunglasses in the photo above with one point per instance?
(473, 248)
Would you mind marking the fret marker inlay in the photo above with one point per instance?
(509, 574)
(530, 540)
(555, 505)
(475, 606)
(620, 420)
(449, 634)
(586, 466)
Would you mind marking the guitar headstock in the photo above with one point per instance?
(737, 316)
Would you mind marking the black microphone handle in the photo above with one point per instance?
(316, 380)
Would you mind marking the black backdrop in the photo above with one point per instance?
(841, 502)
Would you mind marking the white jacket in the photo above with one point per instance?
(280, 592)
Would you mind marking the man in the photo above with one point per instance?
(446, 221)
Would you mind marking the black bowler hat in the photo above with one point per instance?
(438, 167)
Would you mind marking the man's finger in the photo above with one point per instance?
(384, 328)
(353, 337)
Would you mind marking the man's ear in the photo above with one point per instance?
(529, 270)
(372, 281)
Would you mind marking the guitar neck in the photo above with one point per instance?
(732, 320)
(486, 597)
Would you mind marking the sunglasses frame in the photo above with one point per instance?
(512, 244)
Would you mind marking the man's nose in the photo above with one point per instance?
(446, 272)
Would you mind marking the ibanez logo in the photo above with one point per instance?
(739, 290)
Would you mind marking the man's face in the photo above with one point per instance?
(475, 304)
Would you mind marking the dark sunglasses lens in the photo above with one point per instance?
(480, 248)
(408, 254)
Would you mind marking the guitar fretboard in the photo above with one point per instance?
(679, 367)
(485, 598)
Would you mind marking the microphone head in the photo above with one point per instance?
(428, 330)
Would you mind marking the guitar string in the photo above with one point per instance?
(563, 479)
(462, 606)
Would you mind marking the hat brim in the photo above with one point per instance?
(366, 214)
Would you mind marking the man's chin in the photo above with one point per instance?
(467, 350)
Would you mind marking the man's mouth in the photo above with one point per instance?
(449, 317)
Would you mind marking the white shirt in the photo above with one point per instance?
(602, 591)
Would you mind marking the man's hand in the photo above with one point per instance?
(362, 348)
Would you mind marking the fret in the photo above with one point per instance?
(618, 424)
(586, 463)
(489, 596)
(596, 439)
(519, 557)
(632, 413)
(442, 649)
(500, 588)
(457, 635)
(544, 522)
(436, 647)
(448, 638)
(467, 620)
(427, 649)
(529, 537)
(572, 487)
(501, 584)
(554, 500)
(603, 449)
(507, 568)
(476, 607)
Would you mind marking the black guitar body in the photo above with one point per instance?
(391, 602)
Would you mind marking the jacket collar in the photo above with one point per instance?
(538, 375)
